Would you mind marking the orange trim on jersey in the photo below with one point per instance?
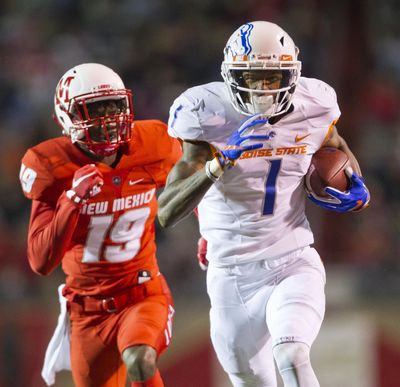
(329, 133)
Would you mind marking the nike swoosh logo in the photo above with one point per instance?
(76, 182)
(133, 182)
(300, 138)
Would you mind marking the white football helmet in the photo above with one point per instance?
(255, 51)
(77, 89)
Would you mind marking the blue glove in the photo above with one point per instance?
(235, 145)
(355, 199)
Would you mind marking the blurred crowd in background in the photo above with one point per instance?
(160, 48)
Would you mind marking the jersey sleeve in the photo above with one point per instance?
(161, 150)
(171, 152)
(36, 178)
(324, 108)
(184, 122)
(53, 216)
(50, 232)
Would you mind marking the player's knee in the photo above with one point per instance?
(140, 361)
(291, 355)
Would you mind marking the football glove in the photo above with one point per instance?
(235, 145)
(201, 253)
(87, 182)
(355, 198)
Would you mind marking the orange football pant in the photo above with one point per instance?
(98, 340)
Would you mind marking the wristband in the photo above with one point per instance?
(213, 169)
(71, 194)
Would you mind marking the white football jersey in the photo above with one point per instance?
(256, 210)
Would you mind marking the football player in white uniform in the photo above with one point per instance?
(247, 145)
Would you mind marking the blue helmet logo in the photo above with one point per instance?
(241, 45)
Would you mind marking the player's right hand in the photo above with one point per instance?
(87, 182)
(356, 198)
(201, 253)
(235, 146)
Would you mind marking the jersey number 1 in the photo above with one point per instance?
(270, 186)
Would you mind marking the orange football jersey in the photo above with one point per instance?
(114, 235)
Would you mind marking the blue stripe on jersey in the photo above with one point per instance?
(176, 115)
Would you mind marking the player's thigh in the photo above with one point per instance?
(95, 360)
(296, 308)
(148, 322)
(238, 329)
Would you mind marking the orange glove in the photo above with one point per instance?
(201, 253)
(87, 183)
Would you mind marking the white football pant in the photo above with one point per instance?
(257, 306)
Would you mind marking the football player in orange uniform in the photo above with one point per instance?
(93, 209)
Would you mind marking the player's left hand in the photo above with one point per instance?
(86, 183)
(237, 142)
(354, 199)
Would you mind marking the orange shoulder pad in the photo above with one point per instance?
(154, 149)
(42, 170)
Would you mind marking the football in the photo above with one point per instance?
(327, 169)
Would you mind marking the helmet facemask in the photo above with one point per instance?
(260, 96)
(101, 135)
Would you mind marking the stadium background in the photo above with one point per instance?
(160, 48)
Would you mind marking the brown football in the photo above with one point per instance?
(327, 169)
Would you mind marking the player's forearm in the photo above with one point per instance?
(50, 233)
(339, 142)
(353, 161)
(180, 198)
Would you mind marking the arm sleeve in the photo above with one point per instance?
(321, 108)
(50, 233)
(325, 108)
(36, 178)
(183, 119)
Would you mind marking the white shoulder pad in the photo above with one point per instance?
(197, 111)
(318, 101)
